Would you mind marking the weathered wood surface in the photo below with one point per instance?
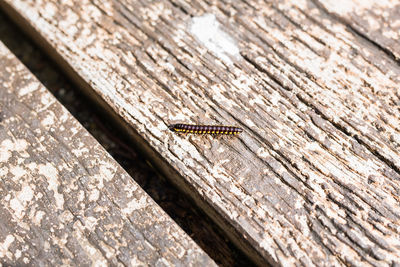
(378, 21)
(64, 200)
(315, 177)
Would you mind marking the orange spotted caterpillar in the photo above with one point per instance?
(205, 129)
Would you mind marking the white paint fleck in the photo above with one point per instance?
(207, 30)
(26, 194)
(312, 146)
(94, 195)
(107, 171)
(31, 87)
(3, 171)
(302, 220)
(21, 200)
(236, 190)
(135, 205)
(81, 149)
(51, 173)
(8, 146)
(250, 123)
(18, 172)
(299, 204)
(262, 152)
(5, 245)
(90, 223)
(81, 196)
(358, 6)
(162, 262)
(17, 207)
(47, 99)
(20, 145)
(46, 246)
(37, 219)
(17, 254)
(267, 243)
(391, 34)
(94, 12)
(136, 262)
(261, 212)
(49, 120)
(50, 10)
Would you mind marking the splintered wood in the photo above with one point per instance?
(64, 200)
(314, 179)
(377, 21)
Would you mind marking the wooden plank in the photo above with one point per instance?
(65, 201)
(377, 21)
(315, 177)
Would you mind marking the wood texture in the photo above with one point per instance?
(313, 179)
(377, 21)
(64, 200)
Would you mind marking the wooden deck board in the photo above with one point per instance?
(379, 24)
(314, 179)
(64, 199)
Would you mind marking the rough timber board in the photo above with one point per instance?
(378, 21)
(314, 179)
(64, 200)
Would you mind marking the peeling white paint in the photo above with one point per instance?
(51, 173)
(48, 120)
(358, 6)
(37, 219)
(94, 195)
(17, 254)
(91, 223)
(135, 205)
(26, 194)
(136, 262)
(5, 245)
(18, 172)
(262, 152)
(207, 30)
(107, 170)
(7, 146)
(29, 88)
(17, 207)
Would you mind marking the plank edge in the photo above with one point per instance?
(139, 142)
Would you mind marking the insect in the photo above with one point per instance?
(205, 129)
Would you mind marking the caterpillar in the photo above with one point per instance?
(205, 129)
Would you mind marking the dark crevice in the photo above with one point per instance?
(190, 218)
(179, 7)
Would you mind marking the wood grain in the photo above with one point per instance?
(65, 201)
(313, 179)
(376, 21)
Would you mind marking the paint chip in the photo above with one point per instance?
(207, 30)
